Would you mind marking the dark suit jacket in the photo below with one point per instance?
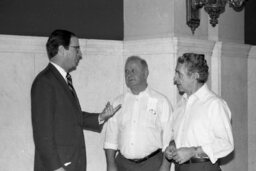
(58, 123)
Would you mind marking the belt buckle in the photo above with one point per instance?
(138, 160)
(188, 162)
(146, 157)
(197, 160)
(200, 160)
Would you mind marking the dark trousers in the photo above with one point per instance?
(205, 166)
(151, 164)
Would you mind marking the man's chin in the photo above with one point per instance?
(180, 90)
(131, 83)
(72, 69)
(181, 93)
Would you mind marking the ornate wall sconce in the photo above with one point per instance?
(213, 7)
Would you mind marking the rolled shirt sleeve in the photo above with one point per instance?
(223, 142)
(111, 135)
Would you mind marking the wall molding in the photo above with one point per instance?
(23, 44)
(235, 50)
(31, 44)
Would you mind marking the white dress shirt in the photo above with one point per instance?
(61, 70)
(137, 129)
(203, 120)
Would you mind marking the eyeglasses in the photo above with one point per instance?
(76, 47)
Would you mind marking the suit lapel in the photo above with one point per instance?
(64, 84)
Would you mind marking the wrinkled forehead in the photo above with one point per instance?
(133, 63)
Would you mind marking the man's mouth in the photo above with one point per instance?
(77, 62)
(131, 79)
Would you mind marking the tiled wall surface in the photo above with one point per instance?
(234, 59)
(99, 78)
(251, 109)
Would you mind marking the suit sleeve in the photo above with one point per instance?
(91, 122)
(42, 106)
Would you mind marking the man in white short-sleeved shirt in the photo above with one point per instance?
(136, 132)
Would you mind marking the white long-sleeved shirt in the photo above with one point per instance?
(61, 70)
(203, 120)
(139, 127)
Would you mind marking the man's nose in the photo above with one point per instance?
(174, 80)
(128, 74)
(80, 54)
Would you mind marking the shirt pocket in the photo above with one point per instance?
(150, 115)
(150, 119)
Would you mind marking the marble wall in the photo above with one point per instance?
(17, 67)
(234, 90)
(251, 88)
(146, 19)
(99, 78)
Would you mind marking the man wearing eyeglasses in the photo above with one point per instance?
(57, 118)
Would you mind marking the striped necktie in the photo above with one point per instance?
(70, 85)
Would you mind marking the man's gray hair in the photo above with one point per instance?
(195, 63)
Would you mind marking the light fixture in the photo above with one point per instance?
(213, 7)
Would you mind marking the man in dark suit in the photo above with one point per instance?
(57, 118)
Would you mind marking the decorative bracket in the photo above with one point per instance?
(213, 7)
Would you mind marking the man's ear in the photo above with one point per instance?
(61, 50)
(196, 76)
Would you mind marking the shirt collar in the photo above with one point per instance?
(60, 69)
(145, 92)
(201, 92)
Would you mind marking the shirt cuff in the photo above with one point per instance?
(110, 146)
(99, 121)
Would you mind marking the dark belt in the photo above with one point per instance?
(197, 160)
(145, 158)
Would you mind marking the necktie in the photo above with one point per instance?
(70, 85)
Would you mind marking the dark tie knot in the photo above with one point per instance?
(69, 79)
(70, 85)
